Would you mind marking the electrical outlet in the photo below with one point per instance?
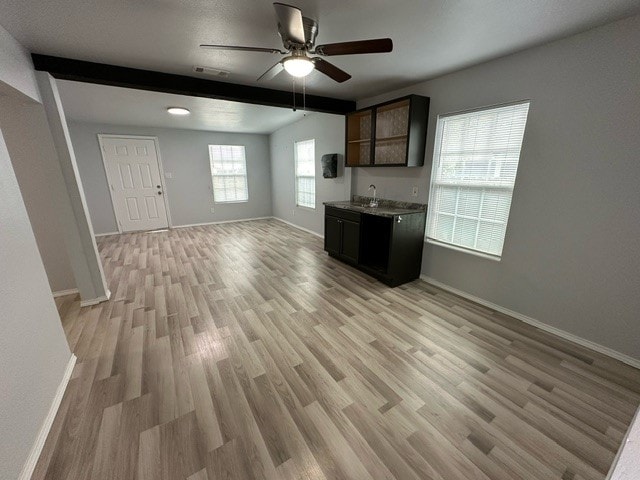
(168, 175)
(414, 191)
(213, 210)
(294, 212)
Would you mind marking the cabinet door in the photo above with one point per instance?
(359, 133)
(332, 234)
(392, 129)
(350, 240)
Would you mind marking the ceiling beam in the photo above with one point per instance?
(90, 72)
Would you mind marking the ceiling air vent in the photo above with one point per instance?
(214, 72)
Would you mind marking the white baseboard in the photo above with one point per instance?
(627, 462)
(62, 293)
(222, 221)
(298, 227)
(94, 301)
(634, 362)
(205, 224)
(36, 450)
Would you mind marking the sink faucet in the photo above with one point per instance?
(374, 201)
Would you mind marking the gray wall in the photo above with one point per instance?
(571, 257)
(41, 184)
(33, 349)
(17, 76)
(185, 155)
(80, 238)
(328, 132)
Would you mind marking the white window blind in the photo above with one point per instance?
(474, 170)
(305, 154)
(229, 173)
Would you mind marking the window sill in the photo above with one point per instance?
(231, 201)
(311, 209)
(476, 253)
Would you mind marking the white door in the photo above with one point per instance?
(134, 179)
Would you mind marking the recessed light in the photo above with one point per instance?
(178, 111)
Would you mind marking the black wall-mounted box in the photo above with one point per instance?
(330, 165)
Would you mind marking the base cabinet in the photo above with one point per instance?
(387, 248)
(342, 236)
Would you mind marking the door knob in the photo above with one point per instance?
(158, 186)
(159, 193)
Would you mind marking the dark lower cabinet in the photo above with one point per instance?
(350, 240)
(342, 235)
(332, 235)
(387, 248)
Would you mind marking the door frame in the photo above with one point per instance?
(102, 136)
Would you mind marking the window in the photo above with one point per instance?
(474, 169)
(305, 154)
(229, 173)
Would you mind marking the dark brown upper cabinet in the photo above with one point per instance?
(390, 134)
(359, 137)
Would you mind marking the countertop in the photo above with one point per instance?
(385, 208)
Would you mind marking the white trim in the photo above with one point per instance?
(477, 253)
(62, 293)
(634, 362)
(295, 178)
(36, 449)
(160, 168)
(221, 221)
(105, 234)
(626, 445)
(95, 301)
(485, 107)
(299, 227)
(304, 207)
(227, 202)
(213, 176)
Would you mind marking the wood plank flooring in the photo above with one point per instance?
(242, 351)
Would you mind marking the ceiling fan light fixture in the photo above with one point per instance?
(298, 66)
(178, 111)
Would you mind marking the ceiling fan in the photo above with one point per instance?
(298, 35)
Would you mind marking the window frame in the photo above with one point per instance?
(296, 176)
(434, 174)
(213, 176)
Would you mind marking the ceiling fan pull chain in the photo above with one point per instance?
(304, 96)
(294, 93)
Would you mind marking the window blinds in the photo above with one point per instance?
(474, 170)
(229, 173)
(305, 173)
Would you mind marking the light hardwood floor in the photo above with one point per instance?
(243, 351)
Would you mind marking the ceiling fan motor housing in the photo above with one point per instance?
(310, 34)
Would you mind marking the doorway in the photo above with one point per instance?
(138, 194)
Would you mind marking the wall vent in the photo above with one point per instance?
(214, 72)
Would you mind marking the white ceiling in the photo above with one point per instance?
(431, 37)
(86, 102)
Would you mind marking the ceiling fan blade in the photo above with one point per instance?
(290, 22)
(272, 72)
(243, 49)
(378, 45)
(330, 70)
